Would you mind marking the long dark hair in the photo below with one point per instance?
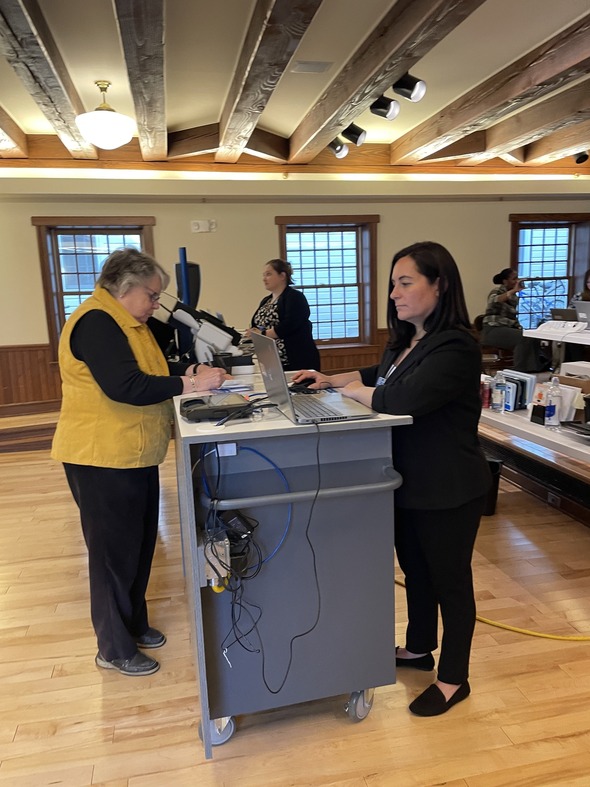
(434, 262)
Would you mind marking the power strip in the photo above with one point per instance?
(216, 560)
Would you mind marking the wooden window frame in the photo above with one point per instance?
(45, 225)
(367, 226)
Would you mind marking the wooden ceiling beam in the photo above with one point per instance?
(276, 29)
(407, 32)
(30, 49)
(467, 146)
(561, 144)
(558, 112)
(193, 141)
(13, 140)
(141, 27)
(556, 63)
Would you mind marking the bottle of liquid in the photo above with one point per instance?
(486, 394)
(498, 393)
(553, 406)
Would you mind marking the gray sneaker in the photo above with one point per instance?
(140, 664)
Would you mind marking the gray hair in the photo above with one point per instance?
(127, 268)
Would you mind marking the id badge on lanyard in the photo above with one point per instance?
(381, 380)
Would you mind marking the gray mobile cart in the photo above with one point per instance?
(318, 619)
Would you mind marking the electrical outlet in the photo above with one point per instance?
(203, 225)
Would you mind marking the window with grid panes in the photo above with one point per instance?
(73, 252)
(551, 252)
(333, 261)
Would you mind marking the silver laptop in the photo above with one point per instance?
(583, 312)
(564, 315)
(322, 407)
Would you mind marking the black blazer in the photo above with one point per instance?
(295, 329)
(438, 456)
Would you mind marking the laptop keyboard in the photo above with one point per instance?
(309, 407)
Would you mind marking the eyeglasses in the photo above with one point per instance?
(154, 296)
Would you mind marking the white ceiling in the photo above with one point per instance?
(203, 39)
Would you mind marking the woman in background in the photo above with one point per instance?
(431, 371)
(584, 294)
(283, 315)
(113, 431)
(501, 327)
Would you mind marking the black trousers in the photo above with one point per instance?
(434, 550)
(119, 516)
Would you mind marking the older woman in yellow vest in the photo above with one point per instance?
(113, 432)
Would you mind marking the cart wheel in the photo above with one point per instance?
(221, 730)
(360, 703)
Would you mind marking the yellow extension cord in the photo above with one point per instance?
(518, 630)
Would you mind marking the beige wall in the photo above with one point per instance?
(471, 219)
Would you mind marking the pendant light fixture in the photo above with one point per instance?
(104, 127)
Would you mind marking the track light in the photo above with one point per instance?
(338, 148)
(409, 87)
(582, 157)
(355, 134)
(387, 108)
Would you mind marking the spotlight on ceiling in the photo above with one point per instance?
(355, 134)
(582, 157)
(104, 127)
(410, 87)
(338, 148)
(387, 108)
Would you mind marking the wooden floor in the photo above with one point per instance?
(65, 722)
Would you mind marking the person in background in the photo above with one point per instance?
(283, 315)
(502, 329)
(431, 371)
(584, 294)
(113, 432)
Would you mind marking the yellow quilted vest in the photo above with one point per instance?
(95, 430)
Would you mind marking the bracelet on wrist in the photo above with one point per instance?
(192, 382)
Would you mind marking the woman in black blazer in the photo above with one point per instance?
(284, 316)
(431, 371)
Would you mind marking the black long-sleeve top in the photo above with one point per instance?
(438, 456)
(98, 341)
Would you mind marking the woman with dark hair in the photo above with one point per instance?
(113, 431)
(431, 371)
(584, 294)
(501, 327)
(283, 315)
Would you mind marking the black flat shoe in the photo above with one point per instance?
(423, 663)
(432, 702)
(151, 639)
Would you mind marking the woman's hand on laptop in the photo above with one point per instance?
(359, 392)
(311, 378)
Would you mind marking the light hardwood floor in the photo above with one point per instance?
(65, 722)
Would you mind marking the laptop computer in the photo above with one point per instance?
(322, 407)
(564, 315)
(583, 312)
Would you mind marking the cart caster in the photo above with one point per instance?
(360, 703)
(221, 730)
